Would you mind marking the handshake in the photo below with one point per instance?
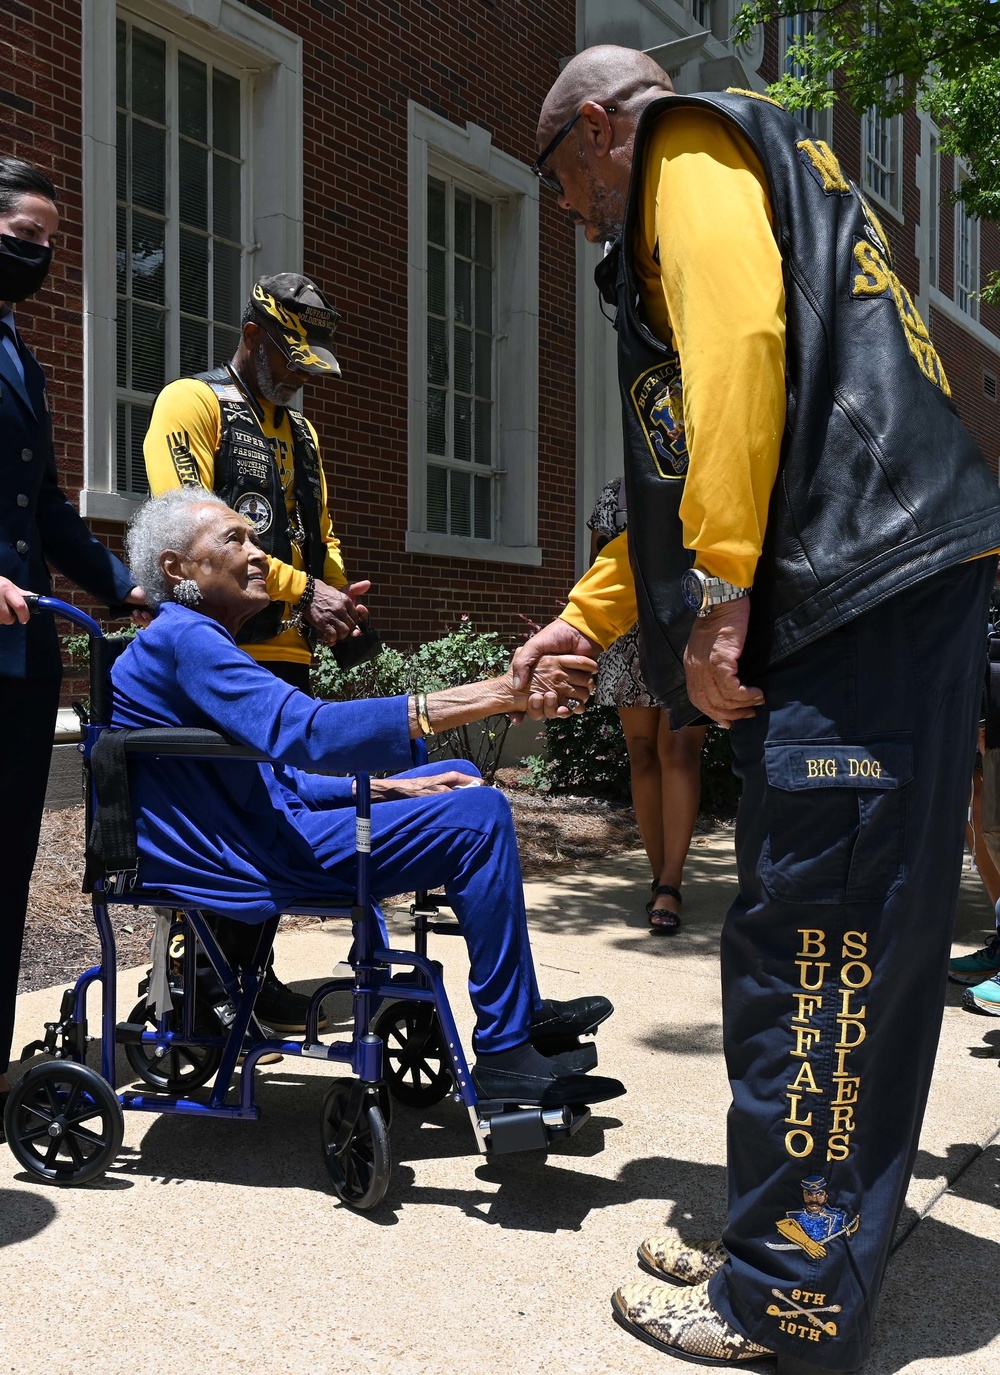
(553, 685)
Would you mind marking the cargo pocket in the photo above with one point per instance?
(836, 819)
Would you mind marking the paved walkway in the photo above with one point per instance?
(219, 1243)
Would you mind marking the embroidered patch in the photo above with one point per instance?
(256, 511)
(813, 1226)
(179, 444)
(799, 1316)
(754, 95)
(877, 279)
(822, 162)
(658, 397)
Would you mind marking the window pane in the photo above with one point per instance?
(148, 75)
(483, 507)
(148, 368)
(192, 97)
(437, 499)
(226, 198)
(484, 433)
(484, 365)
(463, 223)
(459, 483)
(121, 448)
(463, 360)
(484, 233)
(436, 233)
(121, 343)
(436, 428)
(121, 69)
(463, 292)
(484, 299)
(193, 185)
(194, 273)
(121, 251)
(225, 342)
(194, 347)
(121, 157)
(437, 353)
(148, 167)
(227, 304)
(462, 432)
(226, 113)
(147, 257)
(138, 425)
(435, 281)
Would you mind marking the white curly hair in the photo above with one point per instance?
(165, 522)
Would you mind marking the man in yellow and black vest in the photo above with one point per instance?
(810, 563)
(232, 431)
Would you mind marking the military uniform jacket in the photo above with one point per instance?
(879, 483)
(38, 526)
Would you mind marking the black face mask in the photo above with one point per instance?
(23, 267)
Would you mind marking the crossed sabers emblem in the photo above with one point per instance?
(797, 1311)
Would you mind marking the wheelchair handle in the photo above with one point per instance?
(36, 603)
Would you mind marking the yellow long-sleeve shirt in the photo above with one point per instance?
(709, 274)
(189, 409)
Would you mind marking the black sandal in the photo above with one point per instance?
(661, 918)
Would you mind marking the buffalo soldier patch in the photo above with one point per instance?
(658, 397)
(256, 511)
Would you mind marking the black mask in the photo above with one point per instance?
(23, 267)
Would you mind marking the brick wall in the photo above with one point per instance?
(486, 61)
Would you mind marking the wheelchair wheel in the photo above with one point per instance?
(360, 1168)
(64, 1123)
(415, 1060)
(181, 1068)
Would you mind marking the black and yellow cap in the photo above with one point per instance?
(299, 319)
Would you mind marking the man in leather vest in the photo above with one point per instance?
(231, 430)
(810, 566)
(38, 527)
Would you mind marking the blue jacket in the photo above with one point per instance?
(38, 526)
(226, 835)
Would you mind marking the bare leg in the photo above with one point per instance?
(977, 844)
(641, 725)
(680, 773)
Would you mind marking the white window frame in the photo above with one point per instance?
(934, 212)
(819, 121)
(271, 58)
(894, 127)
(966, 226)
(468, 155)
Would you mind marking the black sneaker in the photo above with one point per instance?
(282, 1008)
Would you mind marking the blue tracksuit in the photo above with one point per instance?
(246, 840)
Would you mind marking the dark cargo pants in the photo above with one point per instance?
(834, 955)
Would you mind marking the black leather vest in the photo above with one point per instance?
(248, 478)
(879, 484)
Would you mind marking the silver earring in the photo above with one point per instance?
(187, 592)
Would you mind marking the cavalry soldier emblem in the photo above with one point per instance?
(658, 397)
(256, 511)
(812, 1226)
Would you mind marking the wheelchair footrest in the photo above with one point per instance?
(129, 1033)
(528, 1129)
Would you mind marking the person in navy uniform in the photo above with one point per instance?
(38, 527)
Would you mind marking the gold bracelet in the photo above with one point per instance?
(423, 720)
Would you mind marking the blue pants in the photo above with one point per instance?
(463, 841)
(856, 777)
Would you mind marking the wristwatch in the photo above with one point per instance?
(701, 592)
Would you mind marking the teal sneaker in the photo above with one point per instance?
(985, 997)
(972, 969)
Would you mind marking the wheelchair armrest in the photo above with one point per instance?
(189, 741)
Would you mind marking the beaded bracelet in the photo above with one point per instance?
(298, 618)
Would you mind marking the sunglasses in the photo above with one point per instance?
(543, 174)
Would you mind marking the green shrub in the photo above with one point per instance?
(464, 655)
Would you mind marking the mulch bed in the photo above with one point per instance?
(554, 833)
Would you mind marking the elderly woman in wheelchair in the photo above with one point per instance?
(248, 840)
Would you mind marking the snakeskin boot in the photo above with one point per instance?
(682, 1322)
(684, 1262)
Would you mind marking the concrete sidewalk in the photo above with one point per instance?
(219, 1243)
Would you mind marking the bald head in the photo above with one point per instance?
(607, 75)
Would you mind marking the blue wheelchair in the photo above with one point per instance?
(64, 1122)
